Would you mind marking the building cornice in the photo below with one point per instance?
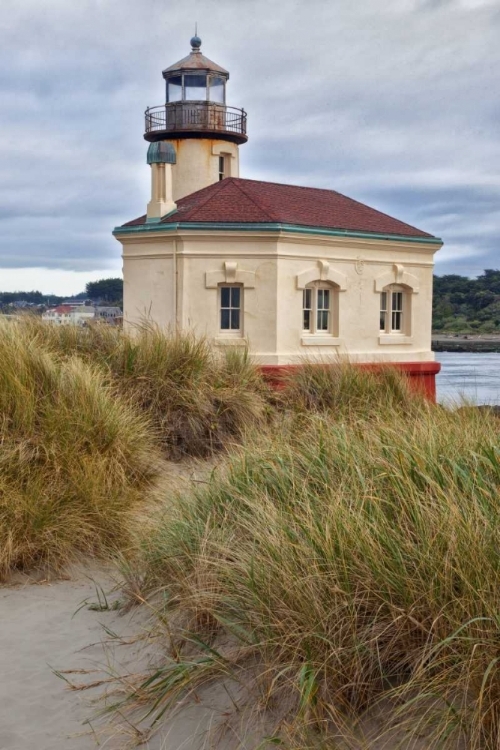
(275, 228)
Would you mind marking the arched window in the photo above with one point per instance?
(395, 310)
(320, 309)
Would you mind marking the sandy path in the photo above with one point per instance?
(39, 633)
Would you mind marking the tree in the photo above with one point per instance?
(108, 290)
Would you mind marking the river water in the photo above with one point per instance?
(475, 377)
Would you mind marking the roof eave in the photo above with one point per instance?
(272, 227)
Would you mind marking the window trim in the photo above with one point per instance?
(389, 335)
(313, 336)
(235, 333)
(222, 167)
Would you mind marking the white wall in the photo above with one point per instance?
(269, 266)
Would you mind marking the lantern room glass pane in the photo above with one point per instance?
(195, 88)
(216, 90)
(174, 89)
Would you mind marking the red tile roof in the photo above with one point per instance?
(235, 200)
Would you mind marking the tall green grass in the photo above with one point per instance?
(75, 462)
(198, 401)
(357, 562)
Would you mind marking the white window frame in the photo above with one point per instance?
(230, 332)
(312, 294)
(397, 299)
(222, 167)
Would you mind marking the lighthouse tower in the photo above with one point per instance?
(201, 130)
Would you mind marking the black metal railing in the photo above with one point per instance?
(189, 116)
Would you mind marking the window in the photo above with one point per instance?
(318, 309)
(216, 90)
(222, 167)
(174, 89)
(230, 308)
(393, 315)
(195, 88)
(307, 309)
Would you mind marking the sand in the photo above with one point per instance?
(40, 634)
(44, 629)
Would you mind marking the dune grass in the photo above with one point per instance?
(198, 401)
(75, 462)
(345, 558)
(356, 562)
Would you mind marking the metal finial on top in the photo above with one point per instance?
(195, 41)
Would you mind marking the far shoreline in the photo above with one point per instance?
(466, 343)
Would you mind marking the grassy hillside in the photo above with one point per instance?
(462, 305)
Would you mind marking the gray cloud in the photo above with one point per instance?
(395, 104)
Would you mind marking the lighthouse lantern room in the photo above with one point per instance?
(204, 131)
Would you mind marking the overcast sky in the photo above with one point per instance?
(394, 102)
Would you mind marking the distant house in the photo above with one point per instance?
(82, 315)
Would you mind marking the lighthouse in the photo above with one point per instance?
(284, 271)
(197, 123)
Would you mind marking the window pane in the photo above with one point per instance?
(235, 320)
(224, 296)
(195, 87)
(174, 89)
(396, 321)
(383, 318)
(306, 297)
(322, 320)
(320, 299)
(224, 320)
(235, 296)
(383, 302)
(216, 90)
(397, 301)
(326, 299)
(306, 323)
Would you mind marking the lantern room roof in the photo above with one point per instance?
(195, 61)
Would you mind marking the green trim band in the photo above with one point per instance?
(272, 227)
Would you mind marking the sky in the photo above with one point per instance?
(395, 103)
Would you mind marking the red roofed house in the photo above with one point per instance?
(291, 272)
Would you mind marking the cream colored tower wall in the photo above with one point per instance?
(271, 270)
(149, 292)
(197, 164)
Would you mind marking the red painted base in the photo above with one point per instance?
(421, 375)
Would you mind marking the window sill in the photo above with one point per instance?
(394, 338)
(230, 341)
(319, 340)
